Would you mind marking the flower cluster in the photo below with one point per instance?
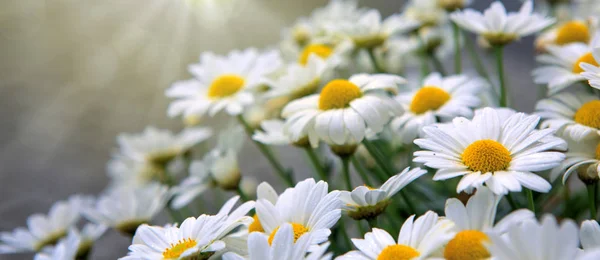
(390, 134)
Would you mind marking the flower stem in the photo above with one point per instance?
(361, 171)
(409, 204)
(376, 65)
(475, 59)
(372, 223)
(457, 51)
(499, 51)
(243, 195)
(591, 191)
(512, 202)
(346, 171)
(387, 168)
(281, 171)
(437, 64)
(316, 163)
(530, 200)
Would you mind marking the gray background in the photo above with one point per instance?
(74, 74)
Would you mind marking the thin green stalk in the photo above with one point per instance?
(312, 156)
(243, 195)
(388, 169)
(372, 223)
(424, 64)
(360, 227)
(346, 172)
(499, 51)
(345, 234)
(530, 200)
(376, 65)
(437, 64)
(512, 202)
(409, 204)
(592, 200)
(361, 171)
(457, 50)
(479, 67)
(281, 171)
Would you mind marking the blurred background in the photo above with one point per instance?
(74, 74)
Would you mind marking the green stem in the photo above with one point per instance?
(316, 163)
(376, 65)
(457, 51)
(499, 51)
(361, 171)
(372, 223)
(592, 200)
(409, 204)
(346, 172)
(530, 200)
(388, 169)
(437, 64)
(243, 195)
(281, 171)
(512, 202)
(479, 67)
(361, 228)
(345, 234)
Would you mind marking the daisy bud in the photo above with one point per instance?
(226, 172)
(588, 174)
(343, 150)
(248, 186)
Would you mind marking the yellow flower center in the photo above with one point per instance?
(299, 230)
(320, 50)
(587, 58)
(428, 98)
(255, 226)
(467, 245)
(369, 187)
(589, 114)
(225, 85)
(598, 152)
(338, 94)
(486, 156)
(178, 248)
(573, 31)
(398, 252)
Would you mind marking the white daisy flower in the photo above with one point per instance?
(66, 249)
(590, 235)
(499, 27)
(561, 66)
(453, 5)
(370, 30)
(283, 246)
(531, 240)
(192, 186)
(272, 132)
(500, 153)
(126, 172)
(157, 146)
(591, 69)
(76, 245)
(222, 83)
(126, 208)
(576, 115)
(266, 192)
(438, 98)
(367, 203)
(473, 220)
(427, 12)
(582, 156)
(303, 78)
(344, 109)
(308, 207)
(418, 239)
(566, 32)
(44, 230)
(196, 238)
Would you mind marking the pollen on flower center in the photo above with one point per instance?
(255, 226)
(398, 252)
(320, 50)
(299, 230)
(338, 94)
(467, 245)
(486, 156)
(178, 248)
(598, 152)
(573, 31)
(225, 85)
(589, 114)
(428, 98)
(587, 58)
